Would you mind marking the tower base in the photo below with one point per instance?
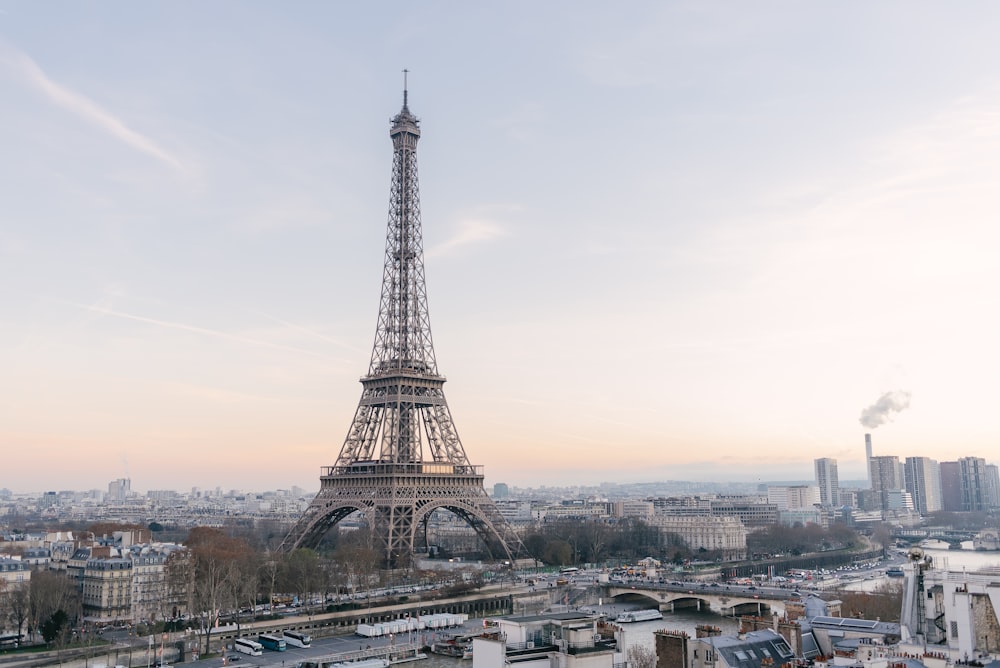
(397, 500)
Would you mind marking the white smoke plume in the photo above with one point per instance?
(883, 409)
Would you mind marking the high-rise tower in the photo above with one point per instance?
(922, 477)
(402, 458)
(828, 481)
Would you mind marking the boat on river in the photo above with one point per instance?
(639, 616)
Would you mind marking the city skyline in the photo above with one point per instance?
(690, 242)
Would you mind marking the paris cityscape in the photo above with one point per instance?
(721, 403)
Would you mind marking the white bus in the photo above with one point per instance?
(248, 646)
(297, 639)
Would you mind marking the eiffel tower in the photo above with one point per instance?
(402, 458)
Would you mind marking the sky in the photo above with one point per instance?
(664, 241)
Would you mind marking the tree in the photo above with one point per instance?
(49, 592)
(214, 555)
(885, 603)
(246, 586)
(303, 574)
(55, 627)
(558, 553)
(640, 656)
(357, 556)
(882, 535)
(16, 600)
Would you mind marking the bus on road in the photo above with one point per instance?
(276, 643)
(248, 646)
(297, 639)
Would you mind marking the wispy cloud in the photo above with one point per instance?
(306, 330)
(82, 106)
(223, 395)
(104, 310)
(469, 232)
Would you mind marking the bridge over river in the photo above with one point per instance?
(731, 600)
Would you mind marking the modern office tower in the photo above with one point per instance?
(501, 490)
(826, 479)
(922, 477)
(993, 486)
(868, 458)
(885, 473)
(951, 486)
(972, 476)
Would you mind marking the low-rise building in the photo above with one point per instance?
(956, 612)
(711, 649)
(726, 535)
(555, 640)
(14, 572)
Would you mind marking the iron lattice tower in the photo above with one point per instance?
(402, 458)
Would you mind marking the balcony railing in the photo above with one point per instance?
(414, 468)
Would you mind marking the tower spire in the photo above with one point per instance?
(402, 458)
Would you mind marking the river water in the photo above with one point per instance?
(942, 558)
(641, 633)
(966, 558)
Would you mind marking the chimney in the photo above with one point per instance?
(868, 459)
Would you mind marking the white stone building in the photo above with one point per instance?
(725, 534)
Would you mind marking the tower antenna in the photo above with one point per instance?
(405, 72)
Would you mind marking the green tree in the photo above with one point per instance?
(55, 626)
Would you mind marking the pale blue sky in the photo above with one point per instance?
(664, 240)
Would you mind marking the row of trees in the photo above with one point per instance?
(569, 542)
(45, 606)
(799, 539)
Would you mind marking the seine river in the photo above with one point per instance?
(641, 633)
(966, 558)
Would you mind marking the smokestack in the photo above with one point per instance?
(868, 458)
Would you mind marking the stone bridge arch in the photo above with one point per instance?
(645, 599)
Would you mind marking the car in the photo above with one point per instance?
(714, 584)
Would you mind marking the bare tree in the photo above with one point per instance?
(50, 592)
(214, 555)
(16, 600)
(885, 603)
(640, 656)
(303, 575)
